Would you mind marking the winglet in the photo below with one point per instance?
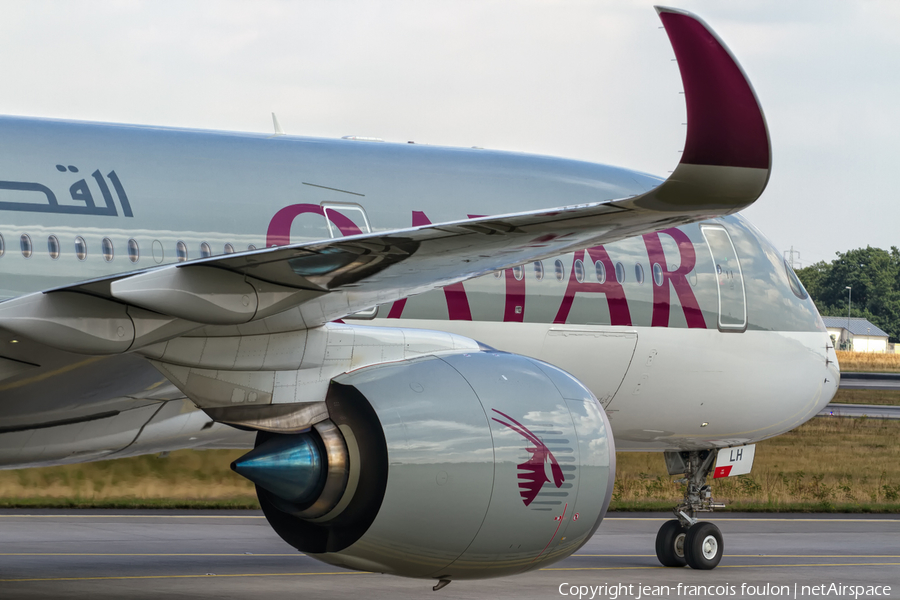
(727, 157)
(726, 126)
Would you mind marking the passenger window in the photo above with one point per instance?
(600, 270)
(181, 251)
(25, 245)
(639, 273)
(157, 251)
(53, 247)
(107, 247)
(134, 252)
(657, 274)
(229, 249)
(80, 248)
(538, 268)
(620, 272)
(560, 270)
(251, 247)
(205, 250)
(579, 271)
(2, 246)
(519, 272)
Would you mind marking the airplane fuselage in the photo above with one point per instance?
(691, 337)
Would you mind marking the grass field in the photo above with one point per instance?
(827, 464)
(868, 362)
(183, 479)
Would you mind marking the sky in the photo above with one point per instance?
(590, 80)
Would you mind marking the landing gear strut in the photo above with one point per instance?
(685, 540)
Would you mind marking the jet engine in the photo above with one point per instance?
(449, 466)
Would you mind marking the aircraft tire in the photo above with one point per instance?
(703, 546)
(670, 544)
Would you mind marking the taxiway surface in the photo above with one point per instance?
(870, 381)
(872, 411)
(192, 554)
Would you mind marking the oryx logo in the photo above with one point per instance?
(533, 473)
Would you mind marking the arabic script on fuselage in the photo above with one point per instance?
(14, 195)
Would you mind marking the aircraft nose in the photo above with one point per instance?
(290, 466)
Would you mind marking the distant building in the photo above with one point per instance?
(862, 335)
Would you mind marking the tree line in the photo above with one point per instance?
(872, 274)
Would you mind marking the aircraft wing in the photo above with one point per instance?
(724, 168)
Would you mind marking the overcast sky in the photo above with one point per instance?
(583, 79)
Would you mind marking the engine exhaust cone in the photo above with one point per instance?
(290, 466)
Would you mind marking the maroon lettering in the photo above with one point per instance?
(514, 310)
(397, 309)
(455, 294)
(458, 308)
(615, 294)
(279, 233)
(693, 316)
(514, 306)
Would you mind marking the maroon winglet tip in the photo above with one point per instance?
(725, 124)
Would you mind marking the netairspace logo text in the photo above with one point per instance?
(637, 591)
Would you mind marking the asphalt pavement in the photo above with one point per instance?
(126, 555)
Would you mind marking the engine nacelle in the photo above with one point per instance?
(455, 466)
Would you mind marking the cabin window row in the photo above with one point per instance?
(580, 272)
(107, 248)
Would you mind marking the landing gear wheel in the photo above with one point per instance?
(703, 546)
(670, 544)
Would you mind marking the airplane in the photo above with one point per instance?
(434, 353)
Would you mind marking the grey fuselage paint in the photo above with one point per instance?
(172, 191)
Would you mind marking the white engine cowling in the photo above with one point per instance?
(458, 466)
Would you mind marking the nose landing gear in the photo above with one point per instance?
(670, 544)
(703, 546)
(686, 540)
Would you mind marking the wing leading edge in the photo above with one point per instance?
(724, 168)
